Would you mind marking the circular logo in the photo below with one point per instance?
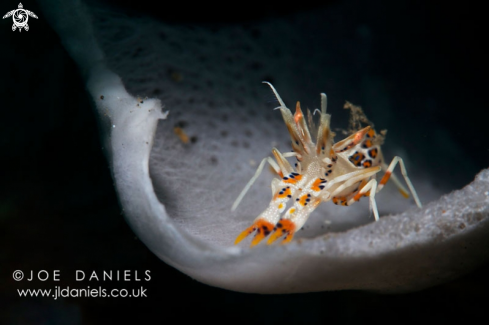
(18, 275)
(20, 18)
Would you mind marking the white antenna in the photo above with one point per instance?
(282, 104)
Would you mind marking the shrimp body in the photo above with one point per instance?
(341, 172)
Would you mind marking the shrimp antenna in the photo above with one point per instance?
(282, 104)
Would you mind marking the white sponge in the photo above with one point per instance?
(177, 194)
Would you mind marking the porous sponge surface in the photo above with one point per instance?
(209, 78)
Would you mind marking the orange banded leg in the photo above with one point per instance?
(404, 192)
(388, 174)
(293, 220)
(266, 221)
(284, 227)
(262, 227)
(368, 190)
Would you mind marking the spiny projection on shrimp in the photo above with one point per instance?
(341, 172)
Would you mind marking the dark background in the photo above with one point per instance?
(59, 210)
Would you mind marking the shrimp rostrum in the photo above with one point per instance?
(341, 172)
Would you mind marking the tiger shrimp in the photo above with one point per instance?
(341, 172)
